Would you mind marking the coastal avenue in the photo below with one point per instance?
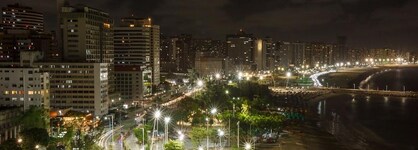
(370, 92)
(318, 86)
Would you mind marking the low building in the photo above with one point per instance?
(8, 127)
(129, 82)
(79, 86)
(24, 87)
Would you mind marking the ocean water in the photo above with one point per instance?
(374, 122)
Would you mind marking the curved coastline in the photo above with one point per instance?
(354, 135)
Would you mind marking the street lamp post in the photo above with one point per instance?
(238, 134)
(247, 146)
(166, 121)
(157, 115)
(207, 133)
(220, 134)
(111, 125)
(288, 75)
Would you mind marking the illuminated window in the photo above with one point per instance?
(6, 92)
(30, 92)
(14, 92)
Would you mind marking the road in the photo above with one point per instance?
(105, 140)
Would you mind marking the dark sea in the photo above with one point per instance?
(375, 122)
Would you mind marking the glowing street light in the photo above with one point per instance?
(217, 76)
(36, 146)
(220, 134)
(247, 146)
(157, 115)
(181, 135)
(240, 74)
(213, 111)
(20, 140)
(199, 83)
(288, 74)
(166, 121)
(226, 92)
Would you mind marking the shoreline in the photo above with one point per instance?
(314, 132)
(356, 135)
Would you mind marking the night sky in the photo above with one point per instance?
(366, 23)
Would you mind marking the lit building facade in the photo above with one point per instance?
(129, 83)
(87, 34)
(24, 87)
(81, 86)
(21, 17)
(137, 42)
(13, 42)
(240, 50)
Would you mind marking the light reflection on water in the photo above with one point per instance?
(359, 119)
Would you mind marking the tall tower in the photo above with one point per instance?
(137, 42)
(240, 49)
(17, 16)
(341, 55)
(87, 34)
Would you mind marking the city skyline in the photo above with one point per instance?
(367, 24)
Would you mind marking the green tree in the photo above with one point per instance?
(35, 117)
(10, 144)
(173, 145)
(197, 134)
(139, 134)
(34, 136)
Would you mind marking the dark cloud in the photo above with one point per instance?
(366, 23)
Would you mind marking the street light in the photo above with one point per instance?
(36, 146)
(217, 76)
(220, 134)
(157, 115)
(288, 75)
(110, 124)
(181, 136)
(213, 111)
(247, 146)
(199, 83)
(200, 148)
(227, 92)
(166, 121)
(19, 140)
(207, 135)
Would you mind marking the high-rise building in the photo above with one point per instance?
(87, 34)
(21, 17)
(24, 87)
(272, 53)
(169, 54)
(295, 54)
(137, 42)
(80, 86)
(129, 82)
(13, 42)
(340, 54)
(240, 50)
(319, 54)
(260, 54)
